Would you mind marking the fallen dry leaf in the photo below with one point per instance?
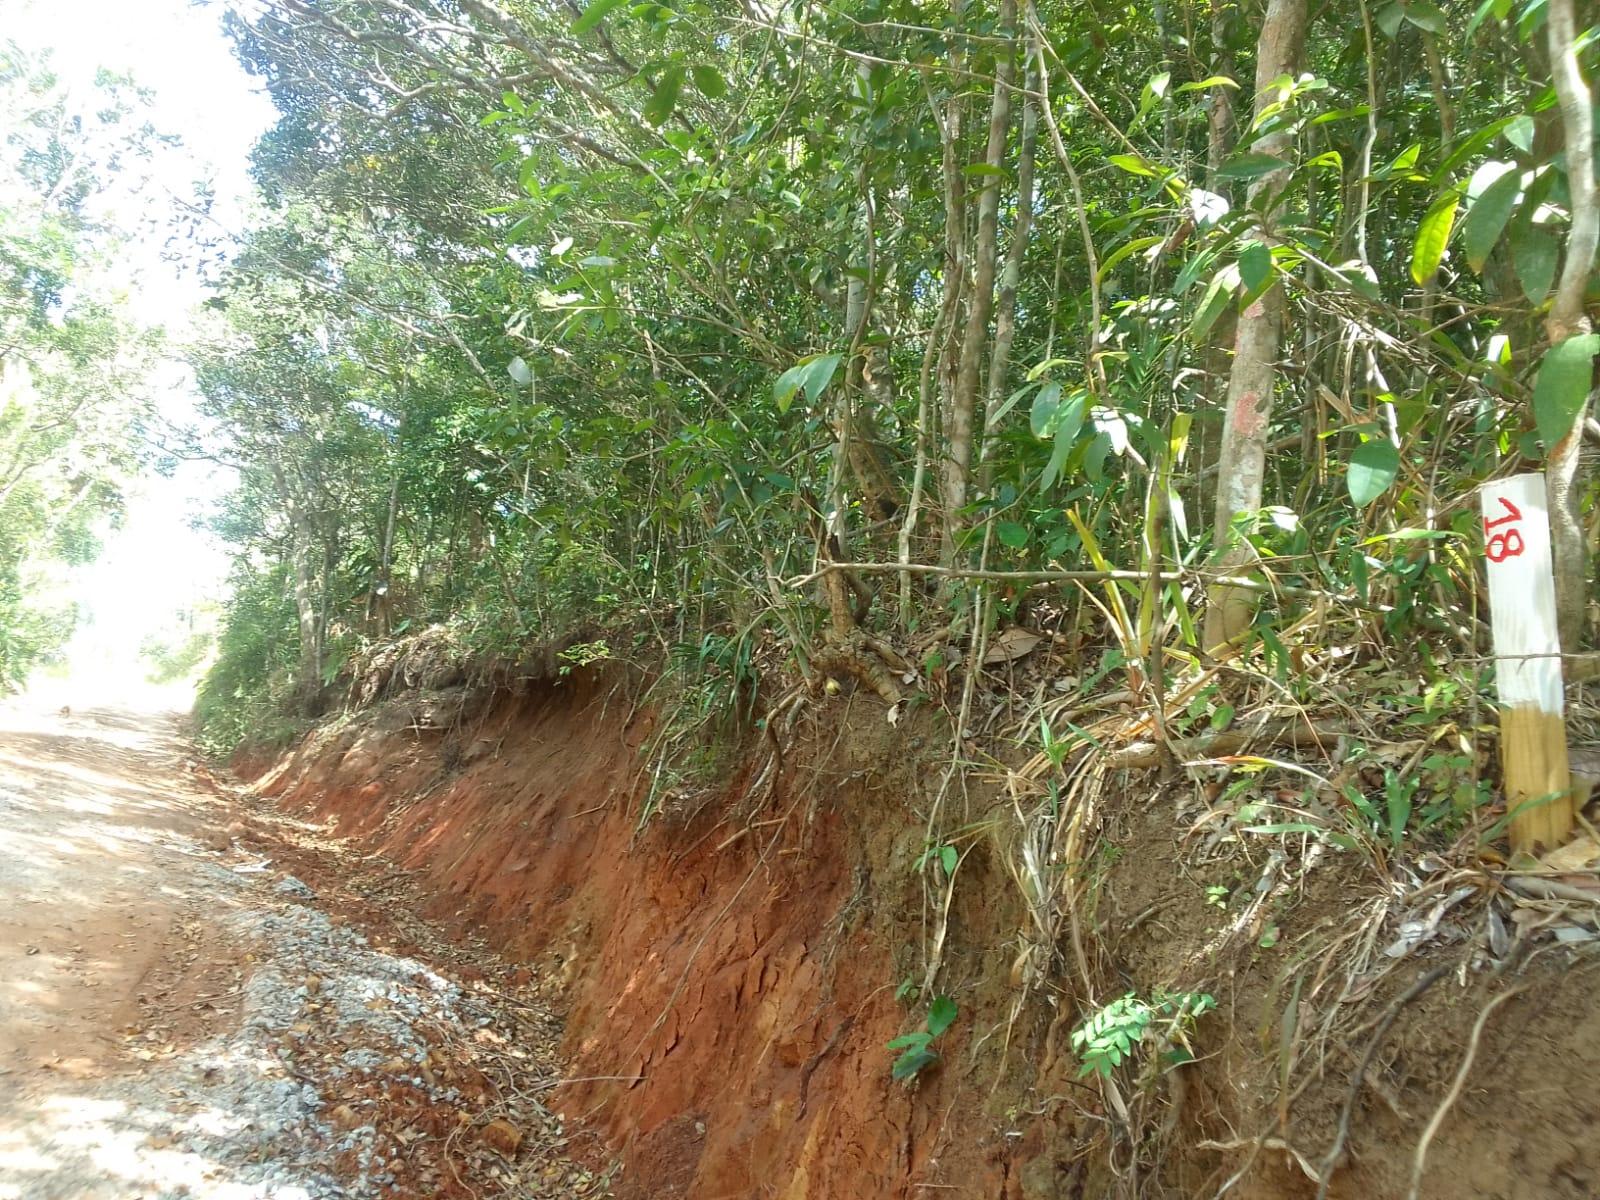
(1576, 855)
(503, 1136)
(1009, 645)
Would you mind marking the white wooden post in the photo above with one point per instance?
(1527, 648)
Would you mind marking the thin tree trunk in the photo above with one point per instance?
(1248, 415)
(1005, 319)
(980, 305)
(308, 672)
(1568, 319)
(380, 602)
(1219, 110)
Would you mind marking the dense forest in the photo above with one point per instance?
(782, 337)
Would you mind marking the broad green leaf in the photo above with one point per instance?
(1012, 534)
(1123, 251)
(1045, 405)
(1433, 234)
(708, 80)
(912, 1061)
(1533, 253)
(917, 1037)
(1562, 388)
(949, 859)
(992, 418)
(1427, 17)
(811, 375)
(664, 99)
(1372, 471)
(1251, 166)
(1255, 265)
(1211, 81)
(1215, 300)
(1390, 18)
(1131, 164)
(1069, 421)
(1405, 162)
(596, 13)
(1494, 187)
(1519, 132)
(982, 168)
(941, 1015)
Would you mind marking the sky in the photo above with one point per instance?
(156, 564)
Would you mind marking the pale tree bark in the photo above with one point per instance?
(1219, 100)
(1005, 317)
(1248, 415)
(1568, 318)
(308, 613)
(980, 305)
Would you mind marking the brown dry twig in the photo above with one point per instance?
(1358, 1077)
(1451, 1096)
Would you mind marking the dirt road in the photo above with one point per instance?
(183, 1015)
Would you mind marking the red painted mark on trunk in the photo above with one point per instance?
(1247, 415)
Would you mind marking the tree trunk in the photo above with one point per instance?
(1248, 415)
(980, 305)
(308, 671)
(1568, 319)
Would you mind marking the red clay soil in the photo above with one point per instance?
(734, 1001)
(730, 982)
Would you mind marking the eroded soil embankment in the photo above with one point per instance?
(732, 981)
(731, 970)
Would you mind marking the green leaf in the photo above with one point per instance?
(1255, 266)
(1426, 17)
(1519, 132)
(1390, 18)
(1373, 468)
(595, 13)
(941, 1015)
(810, 374)
(1215, 300)
(912, 1061)
(1132, 164)
(519, 370)
(1404, 162)
(1045, 405)
(709, 81)
(982, 168)
(665, 98)
(1494, 187)
(917, 1037)
(1533, 253)
(1562, 388)
(949, 858)
(1210, 81)
(1012, 534)
(1069, 421)
(1251, 166)
(1433, 234)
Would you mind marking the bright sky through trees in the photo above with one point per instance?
(200, 96)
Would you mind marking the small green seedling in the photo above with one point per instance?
(946, 856)
(1108, 1037)
(1218, 895)
(916, 1052)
